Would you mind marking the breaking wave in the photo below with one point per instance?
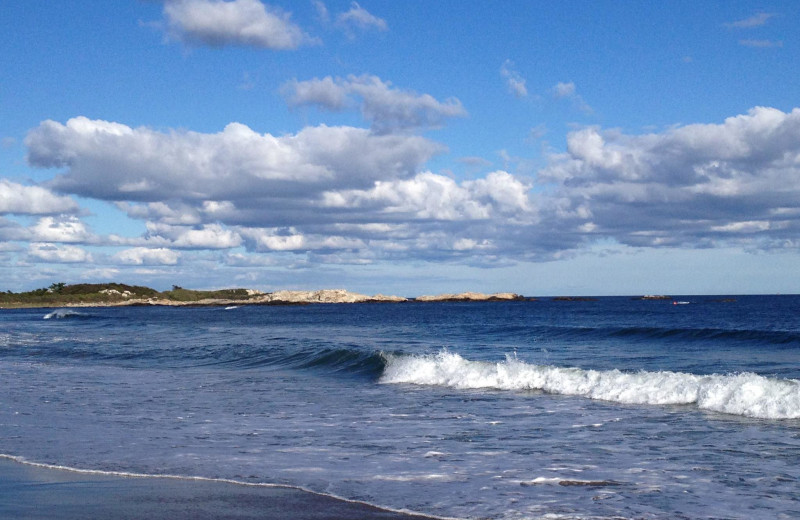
(64, 313)
(744, 394)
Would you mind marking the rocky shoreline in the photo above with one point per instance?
(119, 295)
(114, 298)
(327, 296)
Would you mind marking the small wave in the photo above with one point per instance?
(351, 361)
(745, 394)
(690, 334)
(346, 360)
(64, 313)
(125, 474)
(676, 334)
(330, 359)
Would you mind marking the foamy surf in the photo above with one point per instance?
(62, 313)
(745, 394)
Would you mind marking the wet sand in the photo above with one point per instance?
(37, 493)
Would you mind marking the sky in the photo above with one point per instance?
(408, 148)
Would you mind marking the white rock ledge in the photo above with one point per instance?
(469, 297)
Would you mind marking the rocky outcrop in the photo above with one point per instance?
(114, 292)
(125, 297)
(387, 299)
(469, 297)
(275, 298)
(323, 296)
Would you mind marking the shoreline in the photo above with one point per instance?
(34, 491)
(61, 295)
(249, 297)
(324, 296)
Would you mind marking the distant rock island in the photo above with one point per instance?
(470, 297)
(655, 297)
(116, 294)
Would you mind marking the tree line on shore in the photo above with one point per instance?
(61, 293)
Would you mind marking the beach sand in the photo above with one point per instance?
(30, 492)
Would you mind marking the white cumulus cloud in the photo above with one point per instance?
(110, 161)
(59, 254)
(210, 236)
(349, 195)
(273, 240)
(433, 196)
(219, 23)
(690, 185)
(61, 229)
(147, 256)
(32, 200)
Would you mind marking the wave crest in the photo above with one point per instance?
(64, 313)
(745, 394)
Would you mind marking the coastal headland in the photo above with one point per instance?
(116, 294)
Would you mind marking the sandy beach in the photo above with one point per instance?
(29, 492)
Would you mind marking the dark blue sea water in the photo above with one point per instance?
(614, 408)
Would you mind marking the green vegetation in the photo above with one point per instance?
(58, 294)
(179, 294)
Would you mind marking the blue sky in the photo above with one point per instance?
(544, 148)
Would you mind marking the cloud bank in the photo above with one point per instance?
(695, 185)
(111, 161)
(350, 195)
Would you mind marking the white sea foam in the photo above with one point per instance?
(744, 394)
(435, 454)
(417, 477)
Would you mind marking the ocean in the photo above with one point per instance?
(613, 407)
